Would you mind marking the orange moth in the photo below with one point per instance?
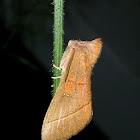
(71, 108)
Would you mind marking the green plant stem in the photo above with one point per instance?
(58, 40)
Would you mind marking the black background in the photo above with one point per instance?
(26, 65)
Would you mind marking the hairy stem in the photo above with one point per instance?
(58, 40)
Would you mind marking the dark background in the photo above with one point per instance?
(26, 48)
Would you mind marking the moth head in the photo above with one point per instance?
(90, 49)
(93, 51)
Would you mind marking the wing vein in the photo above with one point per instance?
(70, 113)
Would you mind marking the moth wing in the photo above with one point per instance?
(70, 110)
(60, 123)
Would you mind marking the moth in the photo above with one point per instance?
(71, 108)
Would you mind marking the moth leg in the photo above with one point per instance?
(59, 68)
(56, 77)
